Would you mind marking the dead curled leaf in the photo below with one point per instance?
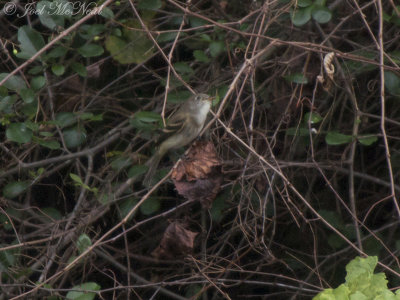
(176, 241)
(197, 176)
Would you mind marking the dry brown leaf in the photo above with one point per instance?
(176, 241)
(198, 163)
(197, 176)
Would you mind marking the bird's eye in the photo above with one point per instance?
(197, 98)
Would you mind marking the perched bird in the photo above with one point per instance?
(184, 126)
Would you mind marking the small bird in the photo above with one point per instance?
(184, 125)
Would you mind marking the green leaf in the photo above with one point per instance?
(36, 70)
(149, 4)
(91, 50)
(304, 3)
(120, 163)
(183, 68)
(297, 131)
(6, 104)
(83, 291)
(14, 83)
(30, 109)
(79, 69)
(38, 82)
(53, 14)
(65, 119)
(200, 56)
(7, 259)
(321, 14)
(148, 116)
(76, 178)
(197, 22)
(126, 206)
(57, 52)
(367, 140)
(167, 37)
(58, 69)
(89, 31)
(132, 47)
(27, 95)
(31, 42)
(301, 16)
(15, 188)
(315, 117)
(296, 78)
(46, 133)
(137, 170)
(177, 97)
(83, 242)
(216, 48)
(336, 138)
(19, 132)
(218, 208)
(150, 206)
(50, 214)
(74, 137)
(107, 13)
(51, 144)
(392, 83)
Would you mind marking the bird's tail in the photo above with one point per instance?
(152, 163)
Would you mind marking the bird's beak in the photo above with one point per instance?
(211, 98)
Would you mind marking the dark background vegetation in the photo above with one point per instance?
(311, 169)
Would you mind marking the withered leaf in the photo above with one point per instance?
(176, 241)
(198, 163)
(203, 190)
(198, 175)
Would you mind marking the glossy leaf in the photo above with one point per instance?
(132, 47)
(38, 82)
(79, 69)
(76, 178)
(83, 291)
(58, 69)
(14, 83)
(120, 163)
(6, 104)
(51, 144)
(27, 95)
(48, 15)
(301, 16)
(57, 52)
(74, 137)
(216, 48)
(336, 138)
(149, 4)
(315, 117)
(150, 206)
(15, 188)
(83, 242)
(304, 3)
(91, 50)
(126, 206)
(30, 40)
(107, 13)
(200, 56)
(19, 132)
(321, 14)
(65, 119)
(137, 170)
(50, 214)
(367, 140)
(297, 78)
(392, 83)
